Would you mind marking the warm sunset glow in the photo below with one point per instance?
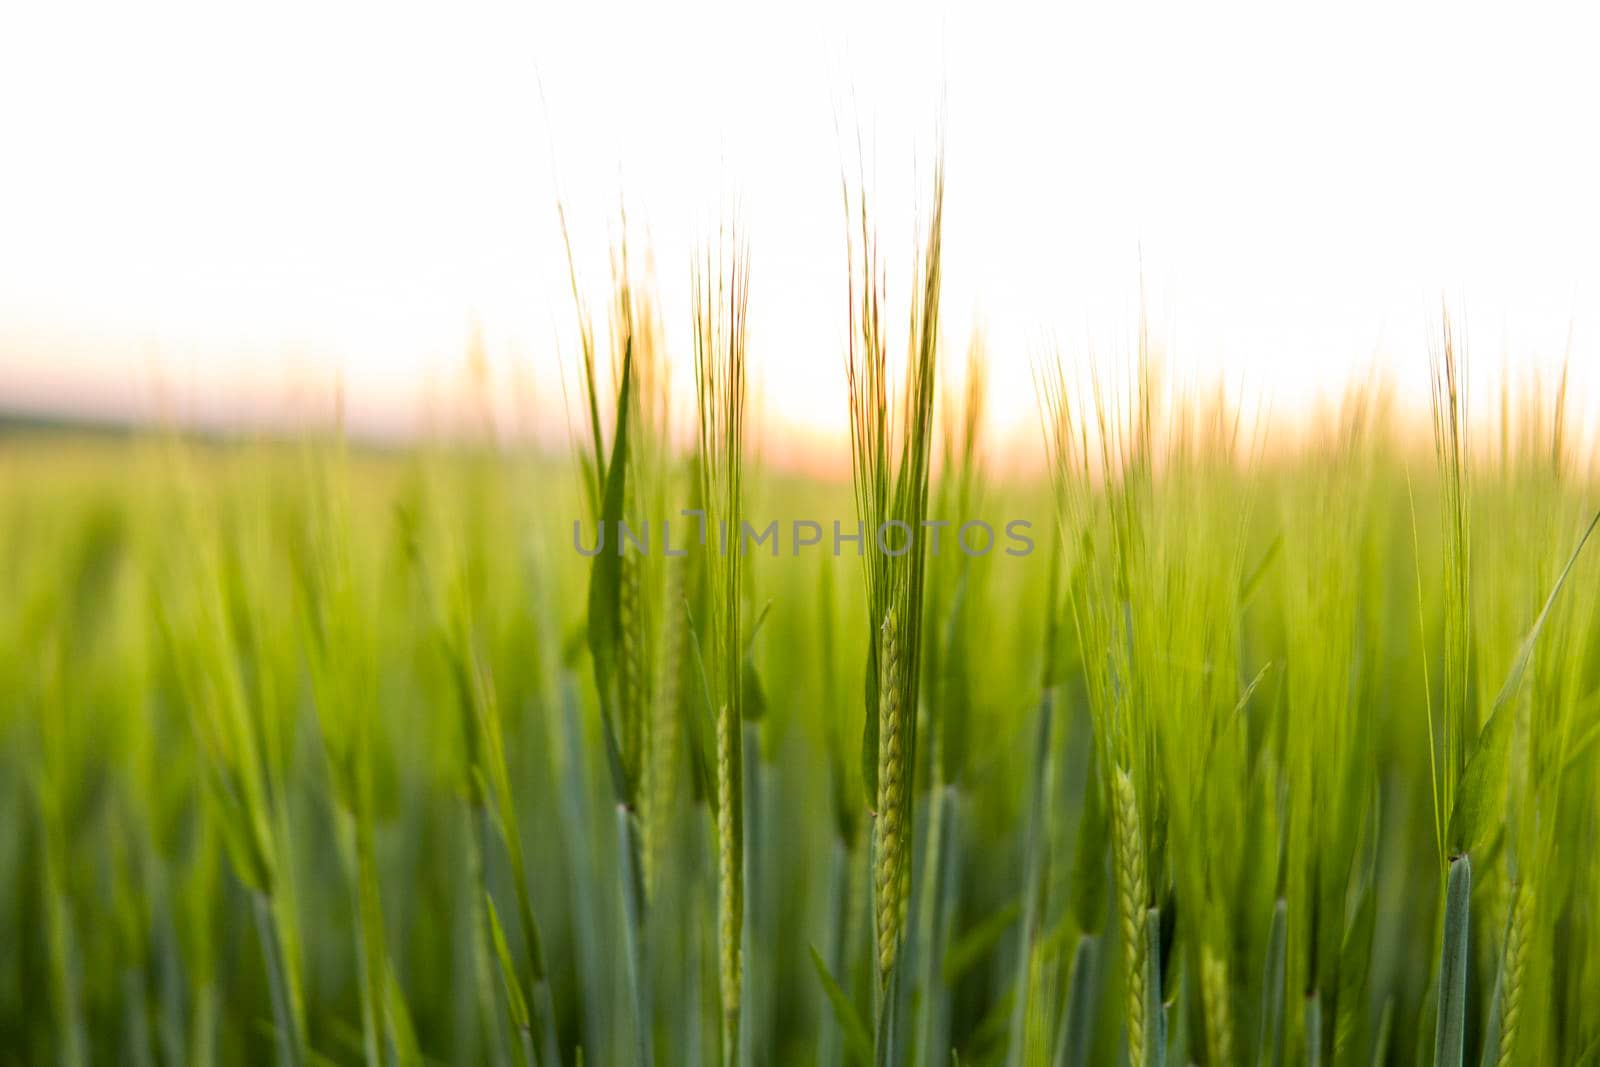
(221, 216)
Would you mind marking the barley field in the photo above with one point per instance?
(1259, 753)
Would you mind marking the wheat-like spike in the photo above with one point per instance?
(890, 873)
(629, 688)
(649, 813)
(1129, 859)
(730, 880)
(1518, 934)
(658, 786)
(634, 712)
(1214, 991)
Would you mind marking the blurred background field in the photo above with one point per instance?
(251, 674)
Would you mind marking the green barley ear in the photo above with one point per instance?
(1519, 935)
(890, 839)
(720, 296)
(630, 668)
(730, 875)
(664, 736)
(1128, 855)
(605, 617)
(891, 451)
(1449, 409)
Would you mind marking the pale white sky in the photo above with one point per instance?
(230, 207)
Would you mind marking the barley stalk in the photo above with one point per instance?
(730, 879)
(648, 813)
(1076, 1037)
(630, 673)
(889, 873)
(1449, 1046)
(721, 293)
(1128, 855)
(658, 784)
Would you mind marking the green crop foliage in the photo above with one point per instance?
(1266, 753)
